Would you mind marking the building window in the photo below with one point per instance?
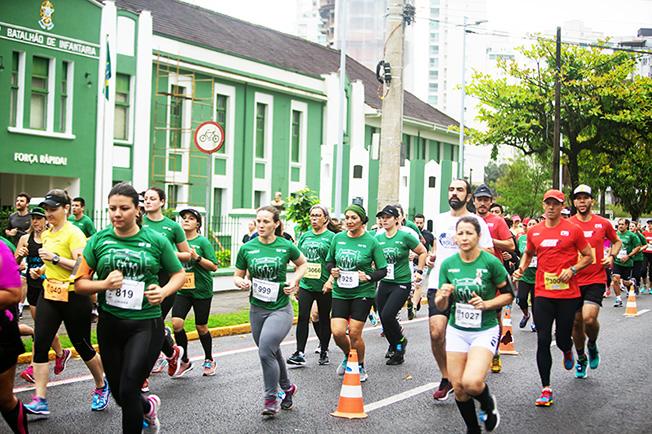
(13, 94)
(216, 223)
(122, 99)
(258, 198)
(172, 196)
(39, 96)
(63, 99)
(220, 115)
(176, 115)
(295, 153)
(432, 182)
(357, 172)
(261, 114)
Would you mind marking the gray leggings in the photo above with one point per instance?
(269, 328)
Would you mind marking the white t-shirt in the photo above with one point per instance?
(444, 233)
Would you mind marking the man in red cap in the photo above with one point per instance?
(555, 242)
(593, 279)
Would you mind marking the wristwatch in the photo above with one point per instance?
(573, 269)
(418, 271)
(55, 259)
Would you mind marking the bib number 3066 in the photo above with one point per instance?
(129, 296)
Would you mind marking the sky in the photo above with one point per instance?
(611, 17)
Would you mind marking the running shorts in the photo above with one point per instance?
(593, 293)
(625, 273)
(201, 307)
(432, 307)
(461, 341)
(355, 308)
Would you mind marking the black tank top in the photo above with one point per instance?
(33, 260)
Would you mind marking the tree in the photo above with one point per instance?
(493, 171)
(602, 107)
(520, 189)
(298, 209)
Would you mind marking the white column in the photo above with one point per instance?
(141, 147)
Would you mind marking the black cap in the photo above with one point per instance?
(54, 201)
(389, 210)
(483, 191)
(194, 212)
(37, 211)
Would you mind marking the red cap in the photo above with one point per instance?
(554, 194)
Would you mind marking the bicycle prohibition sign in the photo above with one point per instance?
(209, 137)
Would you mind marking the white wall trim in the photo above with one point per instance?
(302, 108)
(180, 176)
(52, 80)
(264, 185)
(225, 181)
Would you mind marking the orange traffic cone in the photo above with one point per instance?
(630, 308)
(351, 405)
(507, 337)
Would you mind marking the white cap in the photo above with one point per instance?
(582, 188)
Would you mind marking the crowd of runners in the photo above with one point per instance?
(476, 260)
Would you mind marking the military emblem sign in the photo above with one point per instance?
(47, 10)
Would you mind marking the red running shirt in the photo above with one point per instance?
(556, 248)
(498, 230)
(595, 232)
(648, 237)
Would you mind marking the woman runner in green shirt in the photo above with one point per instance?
(154, 200)
(196, 293)
(127, 260)
(349, 261)
(394, 289)
(265, 260)
(314, 245)
(474, 284)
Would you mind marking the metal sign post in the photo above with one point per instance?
(209, 138)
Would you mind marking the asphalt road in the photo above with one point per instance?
(614, 398)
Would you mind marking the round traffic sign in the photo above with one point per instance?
(209, 137)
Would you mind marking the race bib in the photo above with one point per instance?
(467, 316)
(390, 272)
(552, 282)
(264, 290)
(190, 281)
(129, 296)
(534, 262)
(622, 253)
(313, 271)
(348, 279)
(55, 290)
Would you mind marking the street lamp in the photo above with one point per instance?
(460, 165)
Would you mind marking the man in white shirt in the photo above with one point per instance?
(459, 195)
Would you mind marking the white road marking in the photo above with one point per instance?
(200, 357)
(400, 397)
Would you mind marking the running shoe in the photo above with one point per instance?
(618, 302)
(524, 321)
(569, 360)
(390, 351)
(323, 358)
(60, 362)
(28, 374)
(363, 375)
(318, 349)
(297, 359)
(271, 406)
(145, 387)
(209, 367)
(160, 365)
(545, 400)
(533, 328)
(286, 402)
(341, 368)
(443, 391)
(410, 310)
(496, 364)
(94, 314)
(183, 368)
(373, 318)
(38, 406)
(418, 308)
(594, 356)
(153, 425)
(174, 362)
(397, 358)
(580, 367)
(492, 418)
(101, 397)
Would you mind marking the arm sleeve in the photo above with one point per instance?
(379, 258)
(412, 243)
(241, 260)
(294, 252)
(89, 254)
(378, 274)
(611, 233)
(179, 234)
(169, 261)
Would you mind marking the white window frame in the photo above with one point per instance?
(264, 185)
(69, 95)
(179, 177)
(301, 107)
(225, 181)
(130, 115)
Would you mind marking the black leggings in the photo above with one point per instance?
(76, 316)
(324, 304)
(166, 306)
(562, 312)
(129, 349)
(524, 291)
(389, 301)
(647, 265)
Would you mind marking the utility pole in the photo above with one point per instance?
(341, 35)
(391, 122)
(557, 134)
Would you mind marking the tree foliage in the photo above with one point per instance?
(298, 209)
(521, 187)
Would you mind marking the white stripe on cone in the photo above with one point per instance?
(352, 368)
(351, 391)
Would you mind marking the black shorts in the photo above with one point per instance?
(593, 293)
(201, 307)
(637, 270)
(432, 307)
(32, 294)
(11, 346)
(625, 273)
(355, 308)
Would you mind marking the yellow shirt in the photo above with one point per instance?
(62, 242)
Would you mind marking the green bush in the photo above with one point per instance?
(298, 209)
(223, 258)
